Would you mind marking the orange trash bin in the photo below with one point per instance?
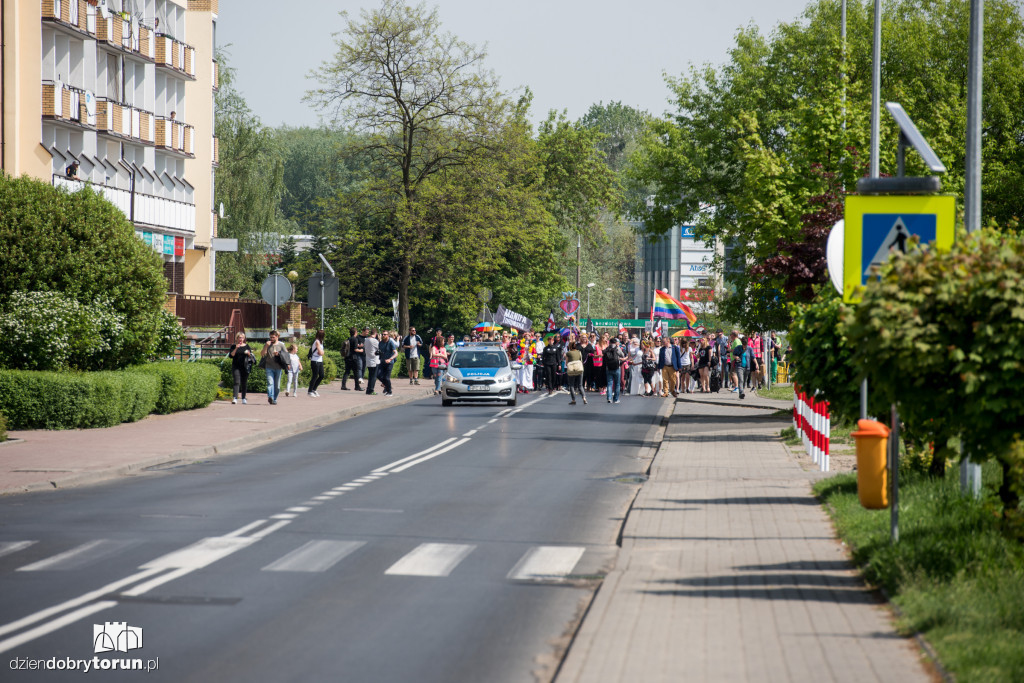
(872, 440)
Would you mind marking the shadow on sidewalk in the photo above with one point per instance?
(799, 594)
(798, 565)
(748, 500)
(715, 437)
(771, 580)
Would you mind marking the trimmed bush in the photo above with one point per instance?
(3, 427)
(73, 400)
(82, 246)
(183, 386)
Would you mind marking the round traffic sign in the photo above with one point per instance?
(283, 290)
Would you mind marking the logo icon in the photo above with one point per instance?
(116, 636)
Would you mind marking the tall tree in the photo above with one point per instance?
(762, 138)
(423, 104)
(249, 184)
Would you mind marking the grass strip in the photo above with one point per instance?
(777, 392)
(957, 579)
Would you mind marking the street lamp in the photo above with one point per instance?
(588, 299)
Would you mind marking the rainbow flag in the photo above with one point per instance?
(668, 308)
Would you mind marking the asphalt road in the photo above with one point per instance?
(418, 543)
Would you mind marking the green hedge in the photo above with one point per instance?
(3, 428)
(183, 386)
(75, 400)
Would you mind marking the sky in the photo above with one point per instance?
(570, 53)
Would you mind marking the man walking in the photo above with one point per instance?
(413, 346)
(670, 360)
(612, 360)
(388, 353)
(370, 346)
(353, 359)
(722, 344)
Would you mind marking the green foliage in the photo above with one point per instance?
(48, 331)
(250, 185)
(81, 246)
(955, 577)
(183, 386)
(759, 137)
(3, 428)
(75, 400)
(824, 357)
(940, 334)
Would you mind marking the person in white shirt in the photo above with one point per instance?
(413, 344)
(291, 387)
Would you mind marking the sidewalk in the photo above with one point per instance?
(729, 570)
(42, 459)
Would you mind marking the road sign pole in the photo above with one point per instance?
(273, 308)
(322, 307)
(876, 87)
(970, 473)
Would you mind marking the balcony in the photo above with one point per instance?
(175, 136)
(127, 35)
(124, 121)
(176, 56)
(149, 209)
(216, 76)
(216, 152)
(63, 102)
(74, 14)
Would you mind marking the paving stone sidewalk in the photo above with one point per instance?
(40, 460)
(730, 571)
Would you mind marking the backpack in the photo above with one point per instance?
(611, 358)
(309, 354)
(346, 348)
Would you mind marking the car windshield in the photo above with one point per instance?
(479, 359)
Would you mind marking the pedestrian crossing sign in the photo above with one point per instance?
(876, 225)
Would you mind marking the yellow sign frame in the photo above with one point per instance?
(943, 207)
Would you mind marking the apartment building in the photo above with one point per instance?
(124, 88)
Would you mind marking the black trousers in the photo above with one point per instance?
(384, 372)
(549, 377)
(371, 379)
(316, 374)
(575, 386)
(353, 367)
(241, 380)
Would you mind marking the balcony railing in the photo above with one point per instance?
(74, 13)
(127, 34)
(175, 55)
(216, 152)
(124, 120)
(216, 76)
(67, 103)
(149, 209)
(175, 135)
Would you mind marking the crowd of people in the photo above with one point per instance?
(573, 361)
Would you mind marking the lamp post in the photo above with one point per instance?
(589, 286)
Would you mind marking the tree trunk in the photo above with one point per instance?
(403, 298)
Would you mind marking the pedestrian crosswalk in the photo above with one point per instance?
(546, 563)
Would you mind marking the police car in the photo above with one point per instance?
(479, 372)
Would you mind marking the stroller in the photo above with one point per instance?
(716, 378)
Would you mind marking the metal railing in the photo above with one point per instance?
(149, 209)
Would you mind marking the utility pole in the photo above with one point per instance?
(876, 98)
(970, 473)
(579, 246)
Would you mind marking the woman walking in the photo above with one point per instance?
(636, 361)
(648, 365)
(438, 362)
(273, 358)
(704, 366)
(574, 372)
(241, 362)
(316, 364)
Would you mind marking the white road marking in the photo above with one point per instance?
(431, 559)
(333, 493)
(363, 480)
(321, 497)
(315, 556)
(284, 515)
(471, 432)
(263, 533)
(428, 457)
(77, 556)
(13, 547)
(244, 529)
(343, 488)
(492, 421)
(201, 553)
(75, 602)
(384, 510)
(352, 485)
(299, 509)
(414, 455)
(546, 562)
(483, 426)
(158, 581)
(63, 621)
(313, 502)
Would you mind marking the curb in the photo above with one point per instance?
(225, 448)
